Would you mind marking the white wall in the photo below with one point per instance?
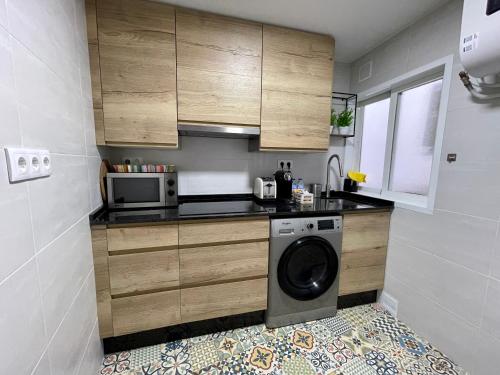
(445, 268)
(47, 294)
(224, 166)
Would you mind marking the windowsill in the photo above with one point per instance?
(416, 203)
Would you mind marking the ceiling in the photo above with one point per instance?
(357, 25)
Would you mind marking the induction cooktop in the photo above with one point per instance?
(220, 208)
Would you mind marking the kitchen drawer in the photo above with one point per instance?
(143, 237)
(207, 302)
(202, 233)
(223, 262)
(147, 311)
(365, 231)
(361, 279)
(362, 270)
(130, 273)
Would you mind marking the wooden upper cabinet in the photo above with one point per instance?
(297, 77)
(218, 68)
(138, 72)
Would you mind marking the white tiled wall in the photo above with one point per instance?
(224, 166)
(445, 268)
(47, 293)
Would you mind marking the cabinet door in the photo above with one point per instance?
(143, 272)
(145, 311)
(297, 74)
(138, 72)
(222, 263)
(213, 301)
(218, 68)
(218, 232)
(364, 252)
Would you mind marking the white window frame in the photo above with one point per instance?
(438, 69)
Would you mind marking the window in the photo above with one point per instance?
(375, 119)
(414, 137)
(399, 144)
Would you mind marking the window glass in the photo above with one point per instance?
(414, 138)
(373, 142)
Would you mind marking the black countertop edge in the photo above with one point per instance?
(104, 216)
(214, 198)
(333, 194)
(381, 203)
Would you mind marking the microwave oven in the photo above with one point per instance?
(137, 190)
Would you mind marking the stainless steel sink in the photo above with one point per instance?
(340, 204)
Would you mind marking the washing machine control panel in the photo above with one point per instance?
(305, 226)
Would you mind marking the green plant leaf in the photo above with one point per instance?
(345, 118)
(333, 118)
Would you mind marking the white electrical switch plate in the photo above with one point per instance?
(26, 164)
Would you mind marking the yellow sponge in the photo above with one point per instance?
(357, 176)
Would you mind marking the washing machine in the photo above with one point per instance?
(304, 267)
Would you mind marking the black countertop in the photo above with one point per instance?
(241, 205)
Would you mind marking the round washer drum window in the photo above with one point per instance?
(308, 268)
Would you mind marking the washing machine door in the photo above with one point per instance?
(307, 268)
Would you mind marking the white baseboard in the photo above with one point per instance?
(389, 302)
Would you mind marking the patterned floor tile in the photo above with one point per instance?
(364, 340)
(141, 356)
(202, 355)
(357, 366)
(359, 315)
(337, 325)
(298, 365)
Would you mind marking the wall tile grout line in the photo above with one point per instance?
(49, 341)
(44, 247)
(437, 304)
(402, 240)
(467, 215)
(87, 346)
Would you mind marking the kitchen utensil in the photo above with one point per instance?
(104, 169)
(315, 189)
(350, 185)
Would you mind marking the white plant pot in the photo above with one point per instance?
(345, 130)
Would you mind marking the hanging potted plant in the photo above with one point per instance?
(343, 122)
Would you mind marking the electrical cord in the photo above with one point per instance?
(472, 87)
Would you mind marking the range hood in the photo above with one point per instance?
(217, 130)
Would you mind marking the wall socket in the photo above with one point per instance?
(27, 164)
(285, 163)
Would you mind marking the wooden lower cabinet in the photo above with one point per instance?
(364, 252)
(213, 301)
(145, 273)
(359, 273)
(221, 263)
(143, 237)
(147, 311)
(212, 232)
(140, 272)
(153, 276)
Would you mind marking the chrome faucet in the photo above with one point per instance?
(341, 174)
